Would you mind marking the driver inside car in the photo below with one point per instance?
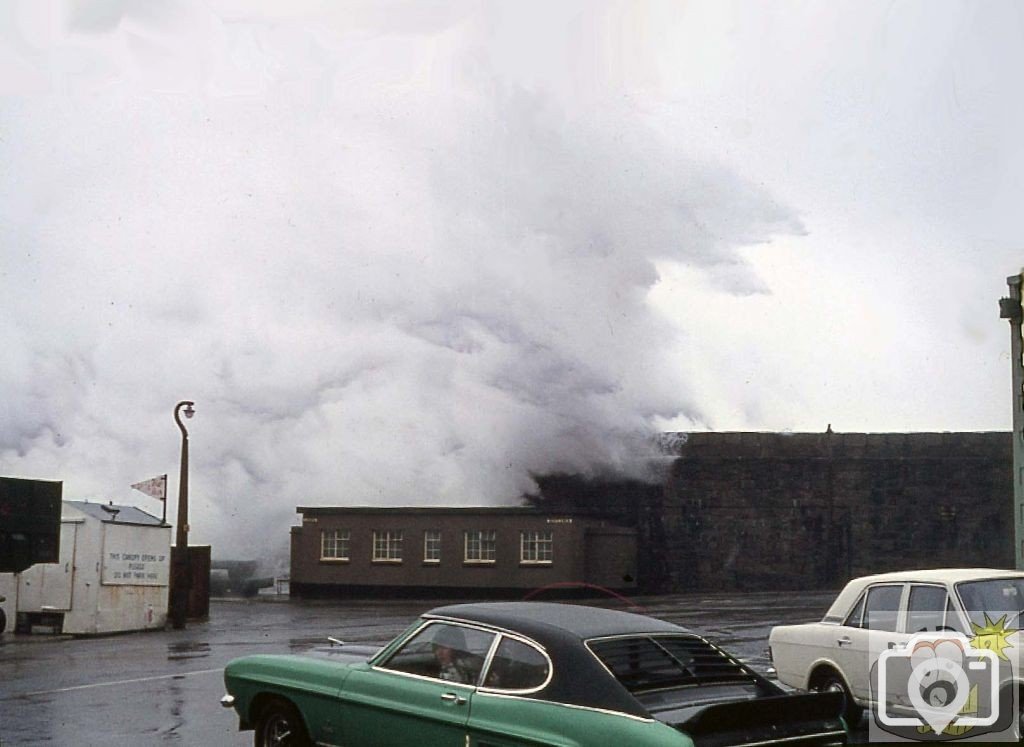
(451, 655)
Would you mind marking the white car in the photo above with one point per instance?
(882, 612)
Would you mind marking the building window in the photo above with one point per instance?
(387, 547)
(432, 546)
(480, 546)
(536, 547)
(334, 544)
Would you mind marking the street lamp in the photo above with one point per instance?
(181, 573)
(1010, 309)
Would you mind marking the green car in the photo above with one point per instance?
(511, 674)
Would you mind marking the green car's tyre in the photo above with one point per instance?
(3, 621)
(280, 725)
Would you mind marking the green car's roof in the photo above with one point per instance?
(542, 620)
(578, 678)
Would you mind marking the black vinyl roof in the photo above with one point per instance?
(578, 677)
(543, 619)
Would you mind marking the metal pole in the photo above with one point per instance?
(163, 519)
(182, 572)
(1010, 308)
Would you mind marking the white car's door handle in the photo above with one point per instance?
(844, 641)
(453, 698)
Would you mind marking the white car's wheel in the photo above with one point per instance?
(832, 682)
(1011, 711)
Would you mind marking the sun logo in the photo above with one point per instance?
(992, 636)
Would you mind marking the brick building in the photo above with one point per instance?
(476, 551)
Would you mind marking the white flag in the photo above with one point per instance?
(154, 488)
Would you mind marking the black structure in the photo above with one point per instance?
(762, 511)
(29, 523)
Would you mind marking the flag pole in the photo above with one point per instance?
(163, 520)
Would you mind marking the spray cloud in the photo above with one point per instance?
(386, 272)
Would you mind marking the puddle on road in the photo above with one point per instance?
(187, 650)
(302, 644)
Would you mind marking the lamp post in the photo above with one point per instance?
(182, 576)
(1011, 310)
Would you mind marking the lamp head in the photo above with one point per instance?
(189, 411)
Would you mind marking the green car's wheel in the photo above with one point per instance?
(3, 621)
(280, 725)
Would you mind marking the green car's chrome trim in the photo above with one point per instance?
(423, 678)
(498, 633)
(527, 642)
(641, 634)
(414, 630)
(798, 738)
(376, 662)
(489, 626)
(486, 668)
(503, 632)
(395, 642)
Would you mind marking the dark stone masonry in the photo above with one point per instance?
(750, 511)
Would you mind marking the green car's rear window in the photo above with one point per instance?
(644, 663)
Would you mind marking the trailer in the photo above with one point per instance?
(112, 574)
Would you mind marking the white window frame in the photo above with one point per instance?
(387, 546)
(339, 538)
(536, 547)
(484, 544)
(432, 546)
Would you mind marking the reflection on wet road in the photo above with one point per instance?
(187, 650)
(160, 687)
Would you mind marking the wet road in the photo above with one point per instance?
(164, 687)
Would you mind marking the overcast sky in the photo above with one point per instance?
(411, 253)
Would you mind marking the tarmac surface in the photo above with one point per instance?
(164, 686)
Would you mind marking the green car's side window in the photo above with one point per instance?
(517, 666)
(454, 653)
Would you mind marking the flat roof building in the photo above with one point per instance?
(456, 551)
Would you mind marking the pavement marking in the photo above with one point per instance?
(115, 683)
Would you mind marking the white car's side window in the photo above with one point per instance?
(926, 610)
(882, 609)
(953, 621)
(856, 617)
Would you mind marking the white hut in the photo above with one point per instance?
(112, 575)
